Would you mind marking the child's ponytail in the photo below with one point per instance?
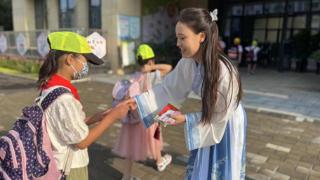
(49, 67)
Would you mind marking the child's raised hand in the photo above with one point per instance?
(146, 68)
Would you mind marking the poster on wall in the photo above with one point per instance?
(127, 53)
(3, 43)
(21, 44)
(134, 27)
(98, 44)
(42, 44)
(128, 27)
(123, 27)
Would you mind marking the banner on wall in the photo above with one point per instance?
(128, 27)
(42, 44)
(98, 44)
(21, 44)
(3, 43)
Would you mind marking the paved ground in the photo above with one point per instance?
(277, 148)
(290, 93)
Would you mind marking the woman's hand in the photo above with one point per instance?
(179, 118)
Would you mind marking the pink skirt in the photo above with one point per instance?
(137, 143)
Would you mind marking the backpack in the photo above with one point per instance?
(250, 55)
(129, 88)
(25, 151)
(233, 53)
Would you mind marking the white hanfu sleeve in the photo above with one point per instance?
(198, 134)
(174, 88)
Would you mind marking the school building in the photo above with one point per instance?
(271, 22)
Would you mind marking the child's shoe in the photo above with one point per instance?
(166, 160)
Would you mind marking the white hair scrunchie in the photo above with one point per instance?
(214, 15)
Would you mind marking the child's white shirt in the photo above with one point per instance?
(66, 126)
(255, 49)
(154, 78)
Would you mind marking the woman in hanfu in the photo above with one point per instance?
(216, 136)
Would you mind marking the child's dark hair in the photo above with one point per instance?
(50, 66)
(143, 62)
(199, 20)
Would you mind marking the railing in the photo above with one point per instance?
(31, 43)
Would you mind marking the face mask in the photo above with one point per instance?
(81, 74)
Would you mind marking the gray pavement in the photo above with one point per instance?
(289, 93)
(278, 147)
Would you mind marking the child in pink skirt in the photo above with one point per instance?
(135, 143)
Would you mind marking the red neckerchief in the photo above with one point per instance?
(57, 80)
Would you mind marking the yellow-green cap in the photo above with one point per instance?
(254, 43)
(145, 52)
(72, 42)
(237, 40)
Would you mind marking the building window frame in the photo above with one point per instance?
(95, 14)
(67, 13)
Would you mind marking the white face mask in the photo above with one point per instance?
(81, 74)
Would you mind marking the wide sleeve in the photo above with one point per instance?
(174, 88)
(67, 118)
(198, 134)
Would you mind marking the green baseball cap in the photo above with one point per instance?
(73, 42)
(145, 52)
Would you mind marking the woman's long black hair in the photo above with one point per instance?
(199, 20)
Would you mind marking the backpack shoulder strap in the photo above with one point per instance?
(52, 96)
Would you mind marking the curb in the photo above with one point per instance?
(21, 75)
(283, 114)
(27, 76)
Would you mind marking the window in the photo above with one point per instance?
(315, 5)
(272, 36)
(315, 21)
(297, 6)
(40, 14)
(299, 22)
(253, 9)
(236, 26)
(275, 7)
(237, 10)
(227, 27)
(95, 14)
(67, 17)
(260, 23)
(259, 35)
(274, 23)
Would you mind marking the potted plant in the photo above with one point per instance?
(316, 56)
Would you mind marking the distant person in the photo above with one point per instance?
(235, 52)
(222, 44)
(252, 56)
(136, 143)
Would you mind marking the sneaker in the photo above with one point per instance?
(166, 160)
